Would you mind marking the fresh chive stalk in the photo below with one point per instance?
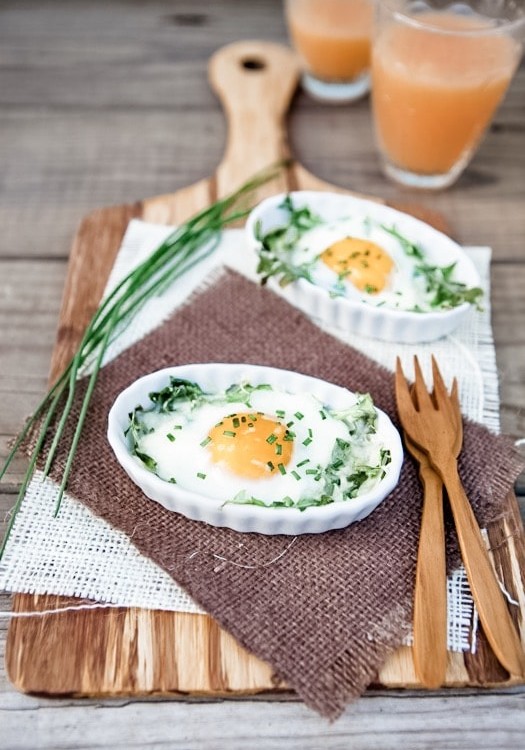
(180, 251)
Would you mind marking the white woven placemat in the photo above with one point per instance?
(78, 554)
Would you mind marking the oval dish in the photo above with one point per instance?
(248, 518)
(354, 315)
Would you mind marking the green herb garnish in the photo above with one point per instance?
(444, 292)
(278, 244)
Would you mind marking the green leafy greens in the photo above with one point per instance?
(356, 463)
(277, 258)
(445, 293)
(277, 244)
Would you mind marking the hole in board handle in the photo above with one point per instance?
(253, 63)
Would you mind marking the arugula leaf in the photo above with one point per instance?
(445, 292)
(242, 392)
(178, 390)
(278, 243)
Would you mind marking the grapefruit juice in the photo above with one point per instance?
(436, 86)
(332, 37)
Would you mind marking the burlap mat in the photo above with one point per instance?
(328, 612)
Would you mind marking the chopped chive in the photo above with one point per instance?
(278, 449)
(219, 424)
(311, 471)
(243, 420)
(236, 422)
(201, 475)
(177, 427)
(289, 436)
(280, 413)
(310, 433)
(281, 468)
(271, 439)
(302, 463)
(270, 465)
(299, 415)
(307, 441)
(173, 480)
(323, 415)
(170, 437)
(206, 441)
(229, 433)
(337, 464)
(250, 424)
(296, 475)
(289, 424)
(253, 417)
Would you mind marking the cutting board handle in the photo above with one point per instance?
(255, 82)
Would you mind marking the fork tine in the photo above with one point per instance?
(445, 401)
(441, 395)
(423, 396)
(405, 404)
(456, 411)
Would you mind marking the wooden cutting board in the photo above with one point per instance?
(132, 651)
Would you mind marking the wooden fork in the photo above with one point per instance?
(433, 428)
(430, 596)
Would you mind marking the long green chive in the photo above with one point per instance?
(180, 251)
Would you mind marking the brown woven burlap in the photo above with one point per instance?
(326, 613)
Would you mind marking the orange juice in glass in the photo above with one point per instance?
(439, 72)
(333, 38)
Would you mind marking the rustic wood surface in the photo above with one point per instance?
(107, 103)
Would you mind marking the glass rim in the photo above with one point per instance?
(501, 25)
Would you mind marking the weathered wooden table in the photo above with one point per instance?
(106, 103)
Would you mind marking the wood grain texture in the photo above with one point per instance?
(105, 103)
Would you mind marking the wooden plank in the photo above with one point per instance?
(138, 652)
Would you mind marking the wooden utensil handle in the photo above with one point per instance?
(486, 591)
(430, 598)
(255, 82)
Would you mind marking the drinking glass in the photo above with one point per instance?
(332, 38)
(439, 72)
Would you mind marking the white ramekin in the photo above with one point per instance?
(248, 518)
(353, 315)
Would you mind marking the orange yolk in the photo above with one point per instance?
(361, 262)
(251, 444)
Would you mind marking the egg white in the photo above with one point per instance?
(187, 462)
(403, 291)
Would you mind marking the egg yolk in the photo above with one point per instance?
(363, 263)
(251, 444)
